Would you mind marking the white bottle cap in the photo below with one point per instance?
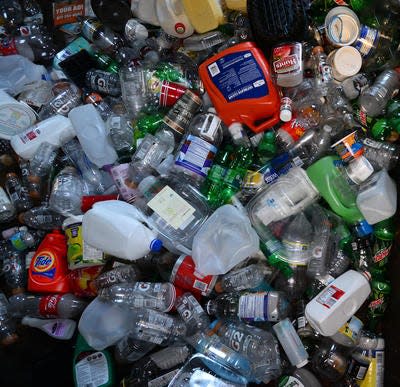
(327, 128)
(285, 115)
(346, 62)
(236, 130)
(359, 170)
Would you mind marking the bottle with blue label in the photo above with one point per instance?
(48, 272)
(199, 146)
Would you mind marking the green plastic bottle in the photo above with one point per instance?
(92, 368)
(146, 124)
(333, 187)
(384, 234)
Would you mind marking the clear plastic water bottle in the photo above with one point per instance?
(42, 218)
(7, 328)
(374, 99)
(323, 71)
(320, 144)
(297, 238)
(130, 350)
(157, 296)
(257, 345)
(197, 150)
(261, 306)
(43, 159)
(7, 209)
(17, 194)
(14, 272)
(121, 134)
(67, 192)
(381, 155)
(248, 277)
(55, 305)
(118, 275)
(156, 327)
(89, 171)
(192, 313)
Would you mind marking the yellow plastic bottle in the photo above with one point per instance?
(205, 15)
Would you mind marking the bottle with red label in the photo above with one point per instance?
(48, 271)
(287, 64)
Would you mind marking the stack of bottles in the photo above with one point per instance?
(194, 201)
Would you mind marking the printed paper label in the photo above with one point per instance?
(175, 210)
(92, 370)
(330, 296)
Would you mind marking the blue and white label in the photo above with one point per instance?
(196, 155)
(367, 41)
(254, 307)
(238, 76)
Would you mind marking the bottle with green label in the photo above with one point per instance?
(92, 368)
(299, 378)
(384, 233)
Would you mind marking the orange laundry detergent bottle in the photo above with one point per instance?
(239, 84)
(48, 271)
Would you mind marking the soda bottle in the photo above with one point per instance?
(383, 237)
(374, 99)
(157, 296)
(262, 306)
(50, 306)
(257, 345)
(146, 124)
(48, 271)
(159, 366)
(18, 195)
(118, 275)
(192, 313)
(7, 328)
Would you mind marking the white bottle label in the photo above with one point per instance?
(254, 307)
(290, 381)
(367, 41)
(330, 296)
(175, 210)
(56, 329)
(196, 155)
(30, 134)
(92, 370)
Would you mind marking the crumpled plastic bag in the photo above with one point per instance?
(16, 71)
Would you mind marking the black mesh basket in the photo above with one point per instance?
(275, 21)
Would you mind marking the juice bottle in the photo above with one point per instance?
(48, 271)
(239, 84)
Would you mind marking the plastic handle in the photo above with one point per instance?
(264, 125)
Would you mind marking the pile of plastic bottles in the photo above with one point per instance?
(201, 192)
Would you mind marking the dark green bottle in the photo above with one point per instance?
(146, 124)
(384, 233)
(92, 368)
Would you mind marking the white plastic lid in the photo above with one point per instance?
(346, 62)
(236, 130)
(359, 170)
(285, 115)
(342, 26)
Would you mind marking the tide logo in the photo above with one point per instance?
(44, 262)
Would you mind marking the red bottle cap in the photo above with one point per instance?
(88, 201)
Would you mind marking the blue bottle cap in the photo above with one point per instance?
(363, 228)
(156, 245)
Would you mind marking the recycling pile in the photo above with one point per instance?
(203, 192)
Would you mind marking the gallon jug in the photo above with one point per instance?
(56, 130)
(223, 241)
(115, 228)
(145, 10)
(377, 198)
(334, 188)
(205, 15)
(238, 82)
(48, 271)
(338, 302)
(173, 19)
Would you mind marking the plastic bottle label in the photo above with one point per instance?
(92, 370)
(17, 241)
(30, 134)
(8, 47)
(330, 296)
(254, 307)
(352, 328)
(48, 305)
(290, 381)
(175, 210)
(196, 155)
(120, 174)
(57, 328)
(367, 41)
(156, 329)
(44, 264)
(238, 76)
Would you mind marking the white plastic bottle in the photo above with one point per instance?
(145, 10)
(56, 130)
(61, 329)
(115, 227)
(91, 132)
(338, 302)
(173, 19)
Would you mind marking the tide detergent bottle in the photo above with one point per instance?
(48, 271)
(238, 82)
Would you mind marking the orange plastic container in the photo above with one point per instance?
(48, 272)
(238, 81)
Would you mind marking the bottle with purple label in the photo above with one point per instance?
(197, 150)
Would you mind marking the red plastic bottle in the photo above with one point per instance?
(238, 82)
(48, 272)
